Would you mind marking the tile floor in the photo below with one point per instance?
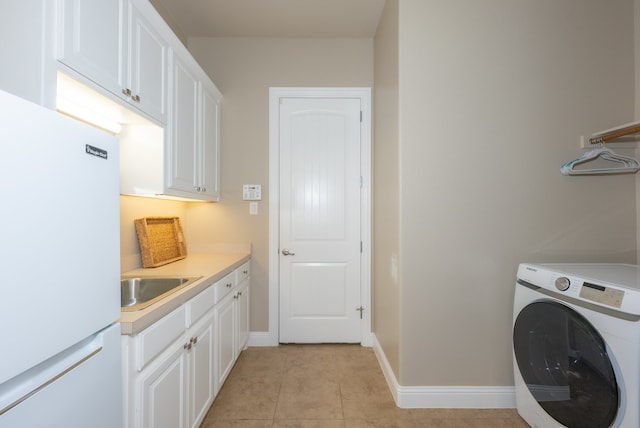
(327, 386)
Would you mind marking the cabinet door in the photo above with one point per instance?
(183, 134)
(225, 339)
(163, 393)
(242, 303)
(27, 72)
(201, 371)
(210, 145)
(148, 57)
(92, 39)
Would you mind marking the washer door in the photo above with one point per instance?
(564, 363)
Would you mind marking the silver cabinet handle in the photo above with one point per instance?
(286, 252)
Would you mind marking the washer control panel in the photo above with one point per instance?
(601, 294)
(616, 286)
(563, 283)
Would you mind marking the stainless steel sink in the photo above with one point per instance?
(138, 292)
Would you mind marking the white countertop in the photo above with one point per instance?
(211, 267)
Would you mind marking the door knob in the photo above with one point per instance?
(286, 252)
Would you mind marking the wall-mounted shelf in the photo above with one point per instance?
(621, 133)
(625, 136)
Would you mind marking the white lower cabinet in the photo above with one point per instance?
(232, 320)
(178, 387)
(179, 392)
(225, 340)
(242, 303)
(174, 368)
(161, 393)
(202, 385)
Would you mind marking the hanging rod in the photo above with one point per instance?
(612, 134)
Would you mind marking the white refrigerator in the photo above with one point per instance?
(60, 363)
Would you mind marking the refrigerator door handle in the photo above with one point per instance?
(39, 377)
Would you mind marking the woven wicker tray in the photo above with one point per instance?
(161, 240)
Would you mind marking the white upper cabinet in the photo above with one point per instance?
(181, 161)
(124, 49)
(91, 39)
(27, 50)
(183, 135)
(148, 66)
(210, 147)
(115, 46)
(193, 147)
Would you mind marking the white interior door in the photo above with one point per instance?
(320, 233)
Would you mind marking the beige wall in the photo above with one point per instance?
(244, 69)
(526, 68)
(493, 98)
(386, 187)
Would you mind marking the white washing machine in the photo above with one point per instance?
(576, 345)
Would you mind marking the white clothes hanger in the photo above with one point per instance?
(619, 164)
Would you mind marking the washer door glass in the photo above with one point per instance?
(564, 363)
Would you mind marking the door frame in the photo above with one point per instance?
(275, 94)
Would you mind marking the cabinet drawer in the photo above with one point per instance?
(155, 339)
(224, 286)
(200, 305)
(244, 272)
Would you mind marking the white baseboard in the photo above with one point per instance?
(264, 338)
(426, 397)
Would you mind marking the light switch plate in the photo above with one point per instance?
(252, 192)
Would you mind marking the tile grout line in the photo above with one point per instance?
(285, 367)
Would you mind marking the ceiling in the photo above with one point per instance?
(271, 18)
